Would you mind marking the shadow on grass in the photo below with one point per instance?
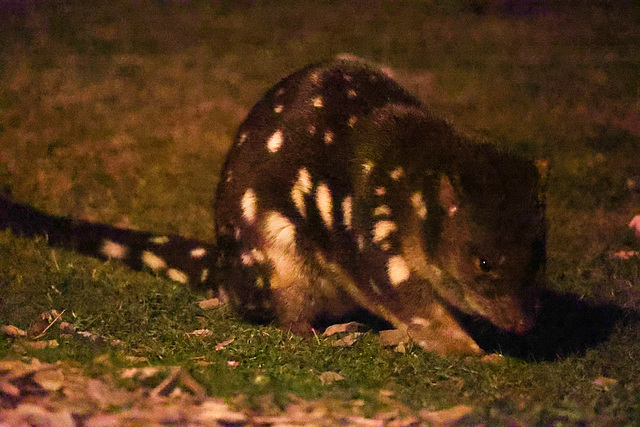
(566, 326)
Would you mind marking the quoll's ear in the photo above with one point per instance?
(447, 195)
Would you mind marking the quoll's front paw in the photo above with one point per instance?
(456, 342)
(438, 332)
(444, 341)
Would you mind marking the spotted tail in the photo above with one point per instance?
(181, 259)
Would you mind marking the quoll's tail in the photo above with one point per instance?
(184, 260)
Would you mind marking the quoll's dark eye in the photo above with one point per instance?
(483, 265)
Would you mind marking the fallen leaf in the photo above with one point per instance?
(347, 341)
(39, 345)
(341, 328)
(213, 411)
(199, 333)
(18, 369)
(49, 379)
(208, 304)
(140, 373)
(329, 377)
(365, 422)
(9, 389)
(605, 383)
(624, 254)
(223, 344)
(446, 417)
(136, 359)
(385, 393)
(12, 331)
(26, 413)
(106, 396)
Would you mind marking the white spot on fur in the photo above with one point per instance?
(419, 205)
(380, 191)
(275, 141)
(114, 250)
(250, 258)
(280, 249)
(382, 229)
(242, 138)
(279, 230)
(159, 240)
(318, 102)
(453, 209)
(352, 121)
(249, 206)
(325, 204)
(351, 93)
(347, 211)
(382, 210)
(278, 109)
(367, 166)
(300, 188)
(396, 174)
(421, 321)
(257, 255)
(398, 270)
(328, 137)
(198, 253)
(177, 275)
(153, 261)
(246, 259)
(204, 275)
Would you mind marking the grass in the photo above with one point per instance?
(121, 112)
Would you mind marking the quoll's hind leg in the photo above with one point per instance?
(284, 272)
(316, 294)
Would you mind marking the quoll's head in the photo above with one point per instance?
(493, 237)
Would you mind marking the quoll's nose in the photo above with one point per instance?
(528, 320)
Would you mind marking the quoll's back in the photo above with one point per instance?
(341, 192)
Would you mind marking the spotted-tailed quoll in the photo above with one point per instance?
(343, 192)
